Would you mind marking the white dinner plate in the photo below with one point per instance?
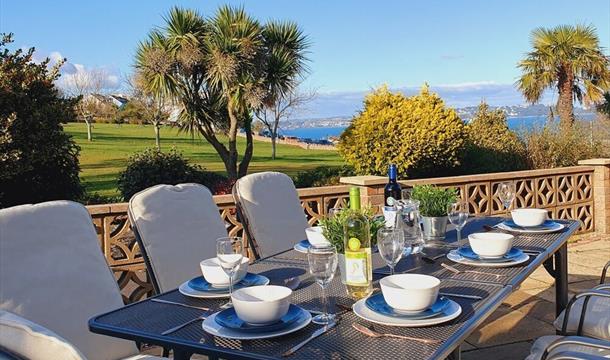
(531, 230)
(212, 327)
(452, 311)
(186, 290)
(455, 257)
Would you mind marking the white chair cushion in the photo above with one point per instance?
(178, 226)
(53, 272)
(597, 318)
(271, 204)
(32, 341)
(543, 342)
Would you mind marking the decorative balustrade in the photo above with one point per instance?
(566, 192)
(579, 192)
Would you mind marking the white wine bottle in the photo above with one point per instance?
(357, 245)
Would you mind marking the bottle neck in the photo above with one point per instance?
(354, 198)
(392, 174)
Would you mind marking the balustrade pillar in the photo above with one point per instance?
(601, 193)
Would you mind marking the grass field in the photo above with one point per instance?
(102, 159)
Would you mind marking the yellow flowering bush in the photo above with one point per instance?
(419, 134)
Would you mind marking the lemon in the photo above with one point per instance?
(353, 244)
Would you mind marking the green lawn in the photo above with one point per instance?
(102, 159)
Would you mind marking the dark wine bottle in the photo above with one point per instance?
(392, 190)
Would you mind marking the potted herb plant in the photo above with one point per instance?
(433, 203)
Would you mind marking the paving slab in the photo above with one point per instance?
(518, 350)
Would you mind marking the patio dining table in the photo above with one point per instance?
(145, 321)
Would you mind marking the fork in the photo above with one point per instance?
(372, 333)
(176, 328)
(456, 271)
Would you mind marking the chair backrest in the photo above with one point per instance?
(53, 272)
(270, 203)
(177, 227)
(32, 341)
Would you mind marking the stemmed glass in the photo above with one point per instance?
(229, 254)
(322, 266)
(391, 244)
(458, 215)
(506, 193)
(332, 212)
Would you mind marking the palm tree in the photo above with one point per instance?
(221, 70)
(570, 59)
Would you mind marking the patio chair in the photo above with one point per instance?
(176, 227)
(584, 327)
(271, 212)
(53, 273)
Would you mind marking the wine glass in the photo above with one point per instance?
(322, 266)
(391, 244)
(458, 215)
(333, 212)
(229, 254)
(506, 193)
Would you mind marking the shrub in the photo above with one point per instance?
(491, 145)
(322, 176)
(418, 134)
(38, 160)
(152, 167)
(556, 146)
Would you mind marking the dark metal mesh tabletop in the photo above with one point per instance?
(146, 320)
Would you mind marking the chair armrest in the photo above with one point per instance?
(604, 272)
(579, 341)
(603, 287)
(586, 295)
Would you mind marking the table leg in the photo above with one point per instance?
(561, 278)
(456, 354)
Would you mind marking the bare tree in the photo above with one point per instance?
(154, 108)
(284, 108)
(86, 85)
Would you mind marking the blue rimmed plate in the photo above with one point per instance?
(229, 319)
(468, 253)
(214, 293)
(549, 226)
(212, 327)
(452, 311)
(200, 284)
(377, 303)
(302, 246)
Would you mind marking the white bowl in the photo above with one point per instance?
(261, 305)
(215, 275)
(410, 293)
(529, 217)
(491, 244)
(316, 237)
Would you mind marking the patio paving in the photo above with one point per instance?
(530, 311)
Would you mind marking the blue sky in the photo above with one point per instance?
(467, 50)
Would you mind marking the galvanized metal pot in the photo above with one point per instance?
(434, 228)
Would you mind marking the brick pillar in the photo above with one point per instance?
(601, 193)
(371, 189)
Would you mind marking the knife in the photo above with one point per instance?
(313, 336)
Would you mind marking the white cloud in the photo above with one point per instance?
(70, 71)
(455, 95)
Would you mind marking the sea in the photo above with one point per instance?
(517, 123)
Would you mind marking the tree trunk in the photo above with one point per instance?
(231, 161)
(565, 102)
(245, 161)
(157, 136)
(273, 140)
(89, 135)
